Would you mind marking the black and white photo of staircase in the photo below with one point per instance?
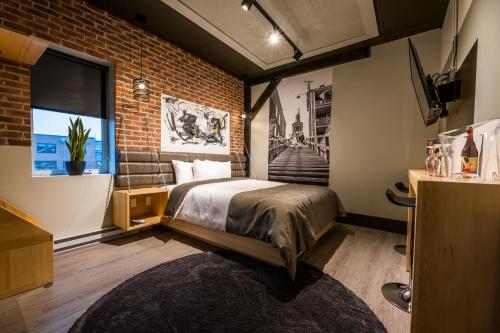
(299, 129)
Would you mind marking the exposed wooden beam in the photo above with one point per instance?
(273, 83)
(308, 65)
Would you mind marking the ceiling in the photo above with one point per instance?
(309, 23)
(326, 31)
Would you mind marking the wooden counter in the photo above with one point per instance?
(456, 261)
(26, 252)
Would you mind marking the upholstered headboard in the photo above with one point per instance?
(144, 168)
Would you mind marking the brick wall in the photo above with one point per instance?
(81, 26)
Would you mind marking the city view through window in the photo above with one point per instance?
(50, 131)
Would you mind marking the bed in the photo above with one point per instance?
(270, 221)
(274, 222)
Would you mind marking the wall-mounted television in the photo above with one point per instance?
(428, 100)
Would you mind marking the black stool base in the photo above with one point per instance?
(398, 294)
(401, 249)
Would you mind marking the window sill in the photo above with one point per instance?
(62, 176)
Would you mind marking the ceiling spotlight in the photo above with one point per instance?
(277, 33)
(274, 37)
(243, 115)
(247, 4)
(297, 54)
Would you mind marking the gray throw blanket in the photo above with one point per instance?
(288, 216)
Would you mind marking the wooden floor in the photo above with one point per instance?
(362, 259)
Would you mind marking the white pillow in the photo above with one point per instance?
(203, 170)
(183, 172)
(225, 169)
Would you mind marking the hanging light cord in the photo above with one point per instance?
(125, 150)
(156, 153)
(140, 39)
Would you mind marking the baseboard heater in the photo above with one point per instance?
(91, 237)
(116, 232)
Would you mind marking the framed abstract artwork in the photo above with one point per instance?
(193, 128)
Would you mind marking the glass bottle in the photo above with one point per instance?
(447, 161)
(438, 161)
(428, 158)
(470, 154)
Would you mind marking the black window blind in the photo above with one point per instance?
(60, 82)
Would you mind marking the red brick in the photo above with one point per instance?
(87, 28)
(20, 128)
(17, 142)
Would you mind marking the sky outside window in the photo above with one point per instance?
(56, 123)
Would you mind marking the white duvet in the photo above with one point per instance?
(207, 205)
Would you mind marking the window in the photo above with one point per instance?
(98, 153)
(46, 148)
(45, 165)
(62, 88)
(50, 130)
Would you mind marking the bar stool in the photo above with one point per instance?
(399, 294)
(401, 248)
(402, 187)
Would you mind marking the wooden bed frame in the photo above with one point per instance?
(248, 246)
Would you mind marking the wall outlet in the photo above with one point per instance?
(133, 203)
(148, 201)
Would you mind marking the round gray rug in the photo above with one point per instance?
(226, 292)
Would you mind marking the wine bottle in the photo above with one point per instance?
(469, 154)
(428, 158)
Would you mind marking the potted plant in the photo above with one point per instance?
(76, 145)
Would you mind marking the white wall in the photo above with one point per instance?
(377, 129)
(378, 132)
(478, 20)
(66, 206)
(447, 30)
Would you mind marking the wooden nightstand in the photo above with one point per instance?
(146, 204)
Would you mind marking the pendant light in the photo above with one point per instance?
(140, 86)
